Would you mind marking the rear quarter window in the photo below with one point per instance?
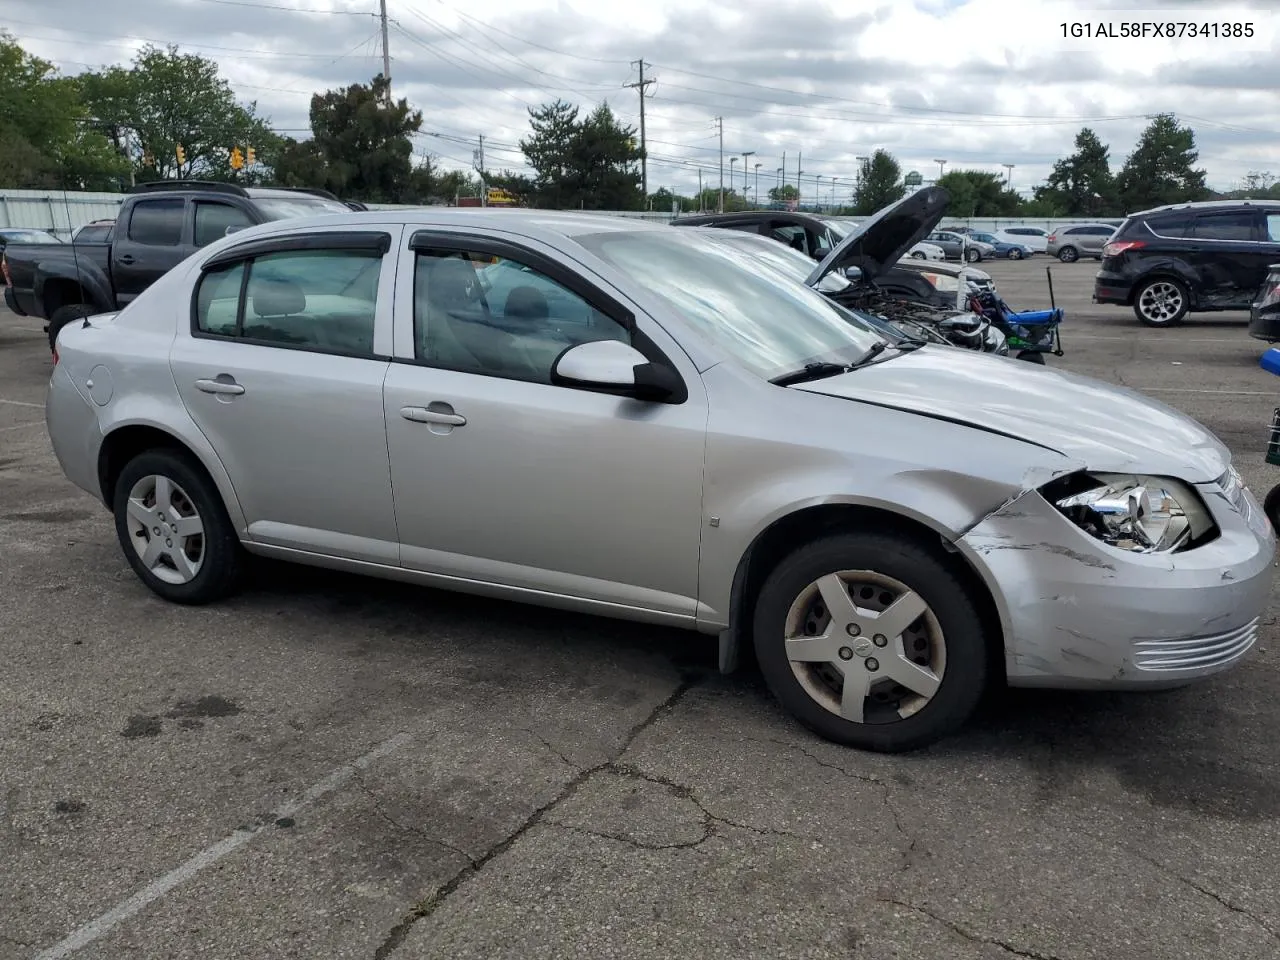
(1173, 225)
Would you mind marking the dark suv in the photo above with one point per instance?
(1190, 258)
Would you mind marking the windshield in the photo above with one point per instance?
(769, 323)
(787, 260)
(283, 208)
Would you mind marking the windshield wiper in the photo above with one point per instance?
(811, 371)
(873, 351)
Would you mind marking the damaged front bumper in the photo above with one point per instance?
(1078, 613)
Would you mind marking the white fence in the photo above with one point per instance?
(61, 212)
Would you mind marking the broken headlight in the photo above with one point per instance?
(1136, 513)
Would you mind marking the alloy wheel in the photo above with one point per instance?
(1160, 302)
(165, 529)
(865, 647)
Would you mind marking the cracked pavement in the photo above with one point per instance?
(566, 786)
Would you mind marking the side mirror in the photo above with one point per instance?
(853, 273)
(611, 366)
(232, 229)
(820, 252)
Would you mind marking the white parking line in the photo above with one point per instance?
(1225, 393)
(94, 929)
(21, 426)
(22, 403)
(1238, 340)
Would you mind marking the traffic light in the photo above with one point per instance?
(237, 159)
(181, 155)
(249, 157)
(148, 159)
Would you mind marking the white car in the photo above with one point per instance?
(926, 251)
(1033, 238)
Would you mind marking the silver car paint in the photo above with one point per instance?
(615, 507)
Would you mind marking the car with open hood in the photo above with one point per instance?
(681, 439)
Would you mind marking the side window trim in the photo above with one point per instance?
(379, 241)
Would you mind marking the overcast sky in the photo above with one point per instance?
(977, 83)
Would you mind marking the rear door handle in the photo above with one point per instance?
(227, 387)
(423, 415)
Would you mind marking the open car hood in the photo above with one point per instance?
(880, 241)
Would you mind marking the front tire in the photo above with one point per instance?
(973, 256)
(917, 255)
(1161, 302)
(1015, 254)
(900, 667)
(63, 316)
(1068, 254)
(1271, 506)
(174, 528)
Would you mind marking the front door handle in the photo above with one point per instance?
(424, 415)
(127, 259)
(226, 387)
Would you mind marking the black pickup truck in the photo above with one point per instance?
(159, 225)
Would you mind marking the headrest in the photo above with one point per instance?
(450, 282)
(526, 303)
(276, 298)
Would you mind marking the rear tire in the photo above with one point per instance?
(164, 499)
(973, 256)
(1015, 254)
(1068, 254)
(63, 316)
(1161, 302)
(917, 682)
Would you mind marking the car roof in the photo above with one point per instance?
(1209, 205)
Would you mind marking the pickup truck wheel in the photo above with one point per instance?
(64, 315)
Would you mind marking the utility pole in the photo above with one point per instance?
(386, 51)
(799, 171)
(478, 159)
(720, 126)
(641, 85)
(699, 189)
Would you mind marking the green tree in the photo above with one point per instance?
(977, 193)
(605, 162)
(47, 137)
(360, 146)
(787, 193)
(879, 183)
(166, 100)
(1161, 168)
(548, 151)
(1081, 185)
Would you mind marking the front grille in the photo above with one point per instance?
(1197, 653)
(1273, 440)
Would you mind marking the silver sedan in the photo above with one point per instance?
(624, 419)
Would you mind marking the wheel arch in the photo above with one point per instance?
(125, 440)
(811, 522)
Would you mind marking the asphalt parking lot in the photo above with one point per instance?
(332, 767)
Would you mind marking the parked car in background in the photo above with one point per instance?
(812, 235)
(1190, 258)
(1034, 238)
(1071, 243)
(959, 246)
(926, 251)
(163, 223)
(892, 526)
(96, 231)
(28, 235)
(1003, 248)
(1264, 312)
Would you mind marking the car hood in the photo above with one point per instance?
(880, 241)
(1105, 428)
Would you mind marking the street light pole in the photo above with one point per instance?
(732, 161)
(941, 166)
(1008, 182)
(757, 187)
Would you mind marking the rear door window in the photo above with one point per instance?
(1233, 225)
(157, 223)
(1273, 227)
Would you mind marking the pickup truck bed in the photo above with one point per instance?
(46, 276)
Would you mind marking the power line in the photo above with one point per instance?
(272, 6)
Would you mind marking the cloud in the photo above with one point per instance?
(978, 82)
